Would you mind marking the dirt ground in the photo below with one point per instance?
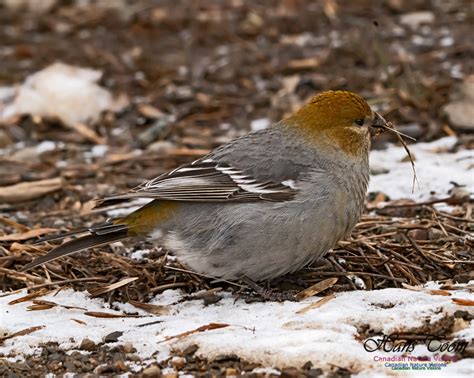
(195, 75)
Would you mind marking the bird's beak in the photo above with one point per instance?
(379, 124)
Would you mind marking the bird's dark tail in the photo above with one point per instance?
(100, 235)
(138, 223)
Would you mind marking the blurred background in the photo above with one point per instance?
(100, 95)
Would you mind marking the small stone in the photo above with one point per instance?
(190, 350)
(463, 315)
(152, 371)
(178, 362)
(173, 374)
(459, 196)
(419, 234)
(88, 344)
(231, 372)
(415, 19)
(113, 337)
(435, 234)
(459, 110)
(289, 372)
(5, 139)
(129, 348)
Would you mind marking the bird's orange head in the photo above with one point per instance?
(338, 118)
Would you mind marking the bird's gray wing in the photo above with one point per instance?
(207, 180)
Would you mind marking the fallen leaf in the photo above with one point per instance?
(316, 288)
(151, 308)
(439, 292)
(79, 321)
(40, 307)
(316, 304)
(23, 332)
(25, 191)
(410, 287)
(463, 302)
(107, 315)
(94, 292)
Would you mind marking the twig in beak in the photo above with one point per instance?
(390, 127)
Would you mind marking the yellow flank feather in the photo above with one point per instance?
(145, 219)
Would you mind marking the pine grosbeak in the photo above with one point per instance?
(262, 205)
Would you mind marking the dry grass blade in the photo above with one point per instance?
(152, 309)
(94, 292)
(316, 304)
(316, 288)
(23, 332)
(204, 328)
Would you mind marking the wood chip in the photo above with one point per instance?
(151, 308)
(27, 235)
(25, 191)
(316, 304)
(94, 292)
(204, 328)
(316, 288)
(463, 302)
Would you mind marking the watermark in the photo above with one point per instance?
(442, 351)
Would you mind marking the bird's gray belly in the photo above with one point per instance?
(258, 240)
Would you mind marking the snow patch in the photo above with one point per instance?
(61, 91)
(435, 167)
(271, 334)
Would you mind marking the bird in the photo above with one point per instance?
(260, 206)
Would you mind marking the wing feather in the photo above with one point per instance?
(206, 180)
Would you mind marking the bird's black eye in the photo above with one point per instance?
(360, 121)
